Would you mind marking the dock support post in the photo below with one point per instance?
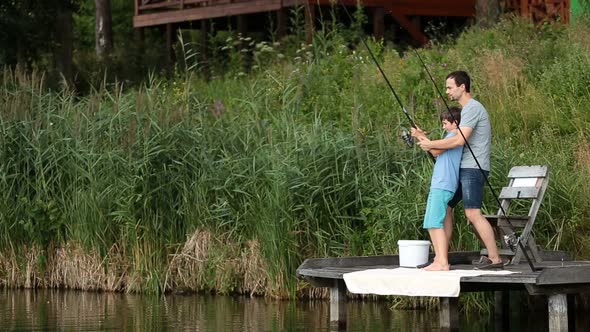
(557, 304)
(583, 302)
(502, 311)
(338, 305)
(571, 311)
(449, 313)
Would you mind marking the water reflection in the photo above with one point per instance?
(60, 310)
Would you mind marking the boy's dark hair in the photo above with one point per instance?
(461, 77)
(452, 114)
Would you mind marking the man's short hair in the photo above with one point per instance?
(461, 77)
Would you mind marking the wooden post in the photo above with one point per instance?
(378, 22)
(205, 67)
(449, 313)
(242, 22)
(170, 38)
(557, 304)
(309, 22)
(417, 22)
(524, 8)
(417, 34)
(282, 22)
(338, 305)
(502, 311)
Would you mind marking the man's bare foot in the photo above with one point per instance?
(435, 266)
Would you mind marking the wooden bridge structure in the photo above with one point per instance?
(405, 18)
(406, 13)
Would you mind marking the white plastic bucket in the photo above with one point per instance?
(413, 252)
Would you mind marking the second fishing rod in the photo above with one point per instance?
(405, 136)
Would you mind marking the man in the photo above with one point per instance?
(476, 129)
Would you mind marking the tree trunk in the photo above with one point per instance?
(487, 12)
(65, 35)
(103, 28)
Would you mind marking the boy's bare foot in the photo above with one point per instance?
(435, 266)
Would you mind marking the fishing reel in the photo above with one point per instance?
(407, 137)
(512, 241)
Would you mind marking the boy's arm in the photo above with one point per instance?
(446, 143)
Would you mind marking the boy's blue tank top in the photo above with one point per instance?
(445, 175)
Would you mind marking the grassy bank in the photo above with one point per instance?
(228, 185)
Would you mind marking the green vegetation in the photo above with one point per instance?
(228, 185)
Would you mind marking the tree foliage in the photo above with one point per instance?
(28, 29)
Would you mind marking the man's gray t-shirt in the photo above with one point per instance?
(475, 116)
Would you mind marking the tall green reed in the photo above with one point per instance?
(301, 157)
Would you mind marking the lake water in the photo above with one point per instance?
(63, 310)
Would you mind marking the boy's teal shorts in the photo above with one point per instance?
(436, 208)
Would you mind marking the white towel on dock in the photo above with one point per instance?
(411, 282)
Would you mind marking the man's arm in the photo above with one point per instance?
(447, 143)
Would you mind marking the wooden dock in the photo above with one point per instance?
(559, 279)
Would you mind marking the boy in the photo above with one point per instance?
(444, 183)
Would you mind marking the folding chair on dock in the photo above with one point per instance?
(526, 188)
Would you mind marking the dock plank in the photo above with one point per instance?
(522, 275)
(577, 274)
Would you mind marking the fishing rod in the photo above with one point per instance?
(405, 135)
(510, 239)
